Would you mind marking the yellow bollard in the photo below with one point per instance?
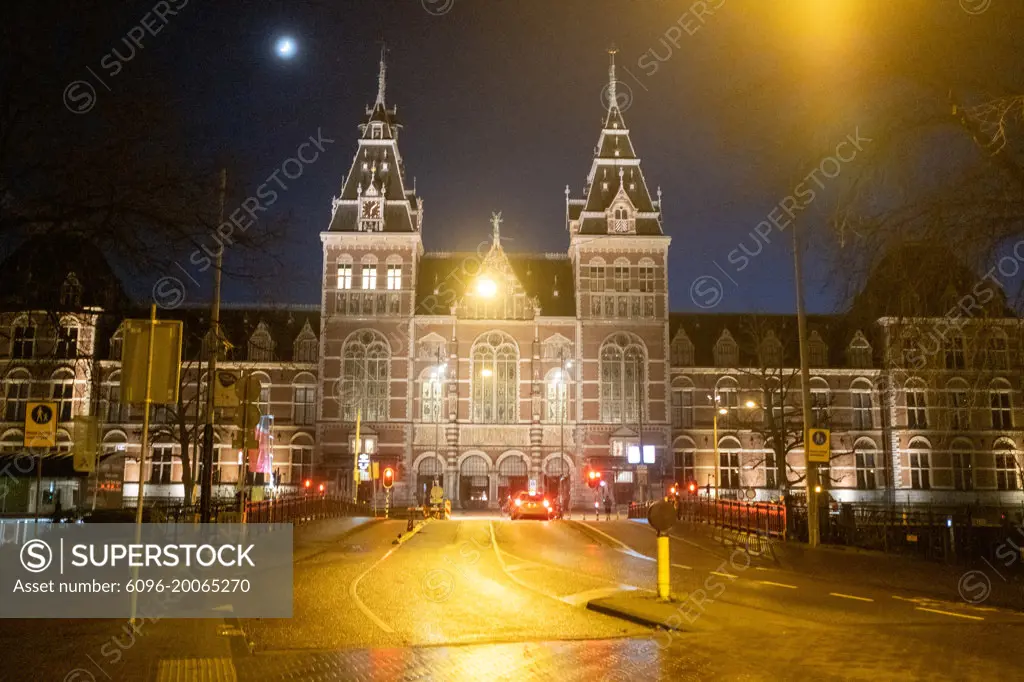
(663, 568)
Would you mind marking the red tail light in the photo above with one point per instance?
(546, 504)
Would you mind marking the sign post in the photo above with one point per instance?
(40, 432)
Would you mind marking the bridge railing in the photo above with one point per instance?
(762, 518)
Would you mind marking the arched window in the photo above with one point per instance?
(1007, 466)
(998, 355)
(431, 393)
(306, 346)
(727, 353)
(495, 371)
(917, 406)
(263, 402)
(304, 400)
(919, 454)
(866, 464)
(623, 378)
(999, 399)
(66, 344)
(621, 271)
(261, 345)
(112, 410)
(116, 343)
(63, 393)
(23, 339)
(556, 393)
(729, 465)
(598, 275)
(682, 404)
(16, 395)
(953, 346)
(821, 400)
(299, 466)
(684, 461)
(369, 272)
(366, 375)
(862, 405)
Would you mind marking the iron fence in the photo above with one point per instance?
(760, 518)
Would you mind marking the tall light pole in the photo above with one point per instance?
(437, 386)
(716, 400)
(563, 407)
(206, 491)
(810, 468)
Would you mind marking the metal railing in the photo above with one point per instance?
(761, 518)
(304, 508)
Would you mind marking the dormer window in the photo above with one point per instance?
(620, 220)
(377, 131)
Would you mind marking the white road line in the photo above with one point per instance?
(724, 575)
(682, 566)
(912, 601)
(774, 584)
(950, 613)
(848, 596)
(617, 541)
(359, 602)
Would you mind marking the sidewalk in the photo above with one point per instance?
(878, 569)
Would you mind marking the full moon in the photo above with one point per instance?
(285, 48)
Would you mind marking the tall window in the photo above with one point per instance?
(304, 410)
(621, 277)
(920, 470)
(306, 346)
(345, 276)
(646, 278)
(998, 357)
(394, 277)
(771, 470)
(16, 398)
(261, 345)
(682, 407)
(954, 348)
(366, 375)
(430, 396)
(1007, 476)
(557, 395)
(917, 413)
(820, 401)
(682, 350)
(999, 399)
(598, 276)
(865, 466)
(495, 379)
(116, 343)
(685, 469)
(301, 465)
(264, 400)
(23, 341)
(817, 351)
(729, 470)
(115, 412)
(959, 412)
(860, 399)
(623, 376)
(64, 395)
(369, 275)
(161, 464)
(71, 291)
(963, 471)
(67, 342)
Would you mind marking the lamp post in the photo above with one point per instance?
(716, 400)
(563, 407)
(437, 387)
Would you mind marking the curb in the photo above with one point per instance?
(629, 616)
(402, 537)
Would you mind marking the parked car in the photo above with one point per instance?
(532, 506)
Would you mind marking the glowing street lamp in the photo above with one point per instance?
(486, 287)
(285, 48)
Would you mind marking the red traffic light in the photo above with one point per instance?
(389, 477)
(308, 483)
(593, 478)
(321, 487)
(693, 488)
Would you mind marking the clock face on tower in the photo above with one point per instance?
(371, 210)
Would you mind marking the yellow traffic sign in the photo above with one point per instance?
(166, 361)
(819, 445)
(41, 425)
(84, 451)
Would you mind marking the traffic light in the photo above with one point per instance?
(308, 484)
(593, 478)
(389, 477)
(692, 488)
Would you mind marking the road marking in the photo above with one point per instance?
(848, 596)
(682, 566)
(950, 613)
(581, 598)
(617, 541)
(912, 601)
(724, 575)
(359, 602)
(760, 568)
(774, 584)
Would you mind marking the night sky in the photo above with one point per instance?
(501, 103)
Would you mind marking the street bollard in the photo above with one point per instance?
(663, 567)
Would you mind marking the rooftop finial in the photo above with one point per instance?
(382, 76)
(612, 95)
(496, 227)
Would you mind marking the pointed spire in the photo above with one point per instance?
(613, 102)
(496, 227)
(382, 76)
